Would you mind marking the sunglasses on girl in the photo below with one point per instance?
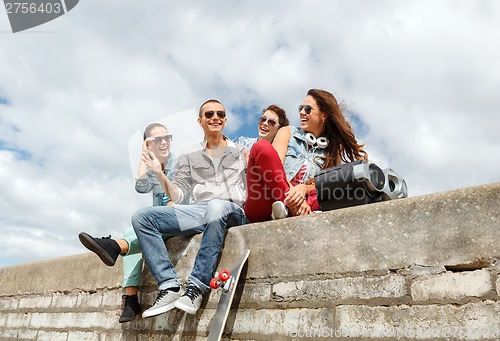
(270, 121)
(210, 114)
(158, 139)
(307, 109)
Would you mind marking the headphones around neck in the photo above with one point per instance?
(320, 142)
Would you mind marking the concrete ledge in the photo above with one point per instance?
(358, 269)
(450, 228)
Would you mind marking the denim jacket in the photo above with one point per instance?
(297, 153)
(151, 183)
(198, 180)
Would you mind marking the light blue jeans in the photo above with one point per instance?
(211, 218)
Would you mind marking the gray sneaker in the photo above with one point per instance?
(279, 210)
(165, 301)
(190, 301)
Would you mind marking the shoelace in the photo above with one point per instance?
(161, 294)
(192, 292)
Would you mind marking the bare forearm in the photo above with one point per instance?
(170, 189)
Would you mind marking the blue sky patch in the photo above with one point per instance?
(3, 101)
(357, 124)
(20, 153)
(249, 114)
(6, 262)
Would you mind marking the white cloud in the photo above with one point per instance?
(421, 75)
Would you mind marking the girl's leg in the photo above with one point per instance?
(266, 181)
(132, 262)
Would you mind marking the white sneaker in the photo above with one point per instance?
(190, 301)
(279, 210)
(165, 301)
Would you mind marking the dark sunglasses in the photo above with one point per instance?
(307, 109)
(270, 121)
(210, 114)
(158, 139)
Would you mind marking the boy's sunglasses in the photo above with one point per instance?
(158, 139)
(270, 121)
(307, 109)
(210, 114)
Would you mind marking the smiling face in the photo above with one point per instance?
(160, 148)
(268, 125)
(213, 118)
(311, 119)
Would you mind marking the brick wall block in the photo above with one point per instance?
(52, 336)
(109, 336)
(472, 321)
(63, 301)
(8, 303)
(83, 336)
(8, 334)
(112, 298)
(92, 320)
(18, 320)
(3, 320)
(255, 293)
(35, 302)
(354, 287)
(284, 323)
(27, 334)
(452, 285)
(89, 300)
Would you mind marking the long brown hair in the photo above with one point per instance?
(343, 145)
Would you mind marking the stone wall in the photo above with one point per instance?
(421, 268)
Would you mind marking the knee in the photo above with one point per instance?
(261, 146)
(218, 205)
(139, 218)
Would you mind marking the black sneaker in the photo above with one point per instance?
(131, 308)
(106, 248)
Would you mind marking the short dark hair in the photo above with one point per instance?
(151, 126)
(209, 101)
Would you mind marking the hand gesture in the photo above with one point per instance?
(295, 196)
(151, 162)
(302, 209)
(146, 143)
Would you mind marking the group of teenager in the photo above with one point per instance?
(217, 184)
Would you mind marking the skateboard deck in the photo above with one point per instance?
(228, 288)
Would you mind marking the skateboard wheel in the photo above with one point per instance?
(214, 283)
(224, 275)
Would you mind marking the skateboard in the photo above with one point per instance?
(226, 281)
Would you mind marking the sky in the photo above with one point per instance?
(419, 79)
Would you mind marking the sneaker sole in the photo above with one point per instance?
(90, 244)
(127, 319)
(185, 308)
(157, 311)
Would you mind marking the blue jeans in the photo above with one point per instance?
(132, 261)
(211, 218)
